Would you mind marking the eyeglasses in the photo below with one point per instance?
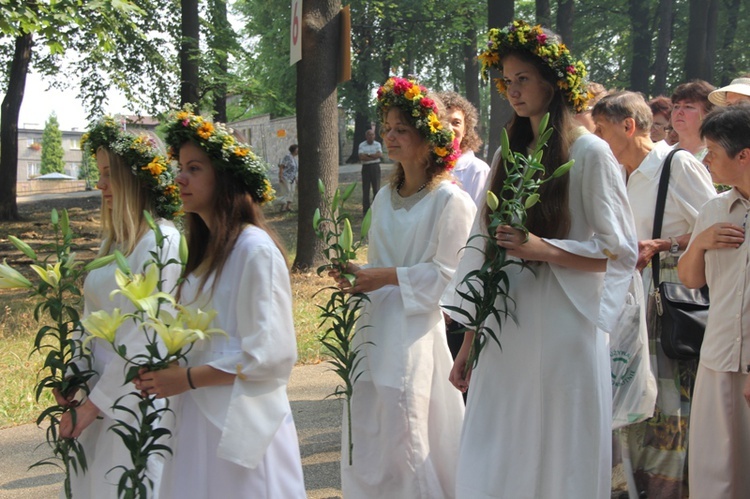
(659, 126)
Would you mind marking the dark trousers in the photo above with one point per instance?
(455, 340)
(370, 180)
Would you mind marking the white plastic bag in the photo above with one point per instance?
(633, 382)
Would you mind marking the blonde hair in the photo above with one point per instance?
(123, 225)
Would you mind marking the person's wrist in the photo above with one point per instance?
(674, 246)
(190, 379)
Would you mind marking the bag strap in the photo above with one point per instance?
(661, 200)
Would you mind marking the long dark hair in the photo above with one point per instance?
(233, 209)
(551, 217)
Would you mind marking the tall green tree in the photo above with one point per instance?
(52, 150)
(663, 26)
(88, 171)
(267, 83)
(114, 45)
(640, 24)
(189, 52)
(221, 42)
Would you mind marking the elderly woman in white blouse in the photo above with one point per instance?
(651, 448)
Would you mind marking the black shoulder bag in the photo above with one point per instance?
(683, 312)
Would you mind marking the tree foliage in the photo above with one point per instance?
(52, 150)
(269, 83)
(108, 44)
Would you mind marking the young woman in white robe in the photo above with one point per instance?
(235, 436)
(406, 417)
(538, 416)
(124, 198)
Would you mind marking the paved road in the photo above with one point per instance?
(318, 423)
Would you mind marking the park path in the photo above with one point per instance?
(318, 421)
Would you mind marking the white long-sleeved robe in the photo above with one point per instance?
(406, 416)
(538, 417)
(239, 440)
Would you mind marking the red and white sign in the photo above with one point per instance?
(295, 34)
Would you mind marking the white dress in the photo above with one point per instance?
(538, 416)
(406, 416)
(103, 448)
(472, 172)
(239, 440)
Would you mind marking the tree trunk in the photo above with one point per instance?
(222, 38)
(499, 14)
(565, 13)
(471, 68)
(317, 118)
(663, 42)
(11, 108)
(710, 57)
(639, 21)
(730, 70)
(189, 52)
(543, 13)
(695, 62)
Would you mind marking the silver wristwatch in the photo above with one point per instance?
(674, 246)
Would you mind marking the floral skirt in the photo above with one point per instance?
(654, 452)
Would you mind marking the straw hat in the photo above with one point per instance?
(738, 85)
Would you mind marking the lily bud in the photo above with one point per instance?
(492, 200)
(10, 278)
(346, 236)
(366, 222)
(316, 219)
(183, 251)
(23, 247)
(99, 263)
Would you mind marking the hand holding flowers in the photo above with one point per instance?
(487, 289)
(169, 330)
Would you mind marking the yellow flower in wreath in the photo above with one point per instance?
(205, 130)
(154, 168)
(434, 123)
(441, 151)
(413, 93)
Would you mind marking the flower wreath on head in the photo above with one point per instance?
(409, 96)
(521, 36)
(226, 153)
(141, 154)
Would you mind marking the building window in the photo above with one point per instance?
(73, 169)
(35, 143)
(32, 171)
(75, 145)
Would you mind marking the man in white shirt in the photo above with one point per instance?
(370, 153)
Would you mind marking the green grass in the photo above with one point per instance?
(18, 370)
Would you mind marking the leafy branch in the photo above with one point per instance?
(487, 288)
(67, 367)
(342, 310)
